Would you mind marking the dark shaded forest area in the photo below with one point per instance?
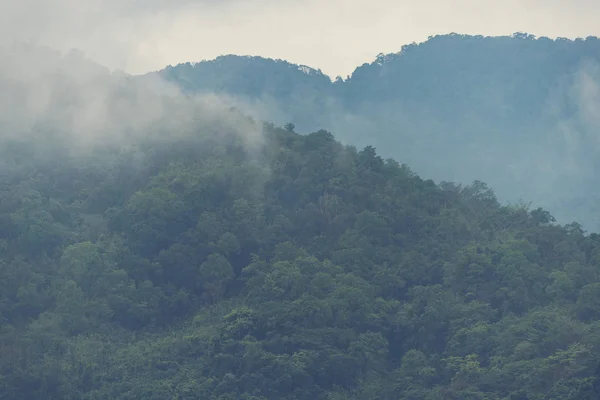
(198, 267)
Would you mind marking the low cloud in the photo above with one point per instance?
(54, 99)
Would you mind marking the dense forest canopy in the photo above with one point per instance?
(518, 112)
(166, 246)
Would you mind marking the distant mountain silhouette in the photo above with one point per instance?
(519, 112)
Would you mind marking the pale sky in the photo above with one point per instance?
(333, 35)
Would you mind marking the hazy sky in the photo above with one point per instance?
(334, 35)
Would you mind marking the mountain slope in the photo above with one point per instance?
(194, 266)
(517, 112)
(160, 246)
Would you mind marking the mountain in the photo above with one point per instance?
(193, 265)
(155, 245)
(518, 112)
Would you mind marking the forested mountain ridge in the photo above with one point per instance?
(250, 76)
(518, 112)
(200, 261)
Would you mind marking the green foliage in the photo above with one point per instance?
(302, 270)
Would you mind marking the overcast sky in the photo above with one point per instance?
(334, 35)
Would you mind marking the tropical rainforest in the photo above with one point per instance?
(181, 249)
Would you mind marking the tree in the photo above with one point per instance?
(214, 274)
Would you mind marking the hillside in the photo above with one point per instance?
(239, 260)
(518, 112)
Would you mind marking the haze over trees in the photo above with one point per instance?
(518, 112)
(154, 245)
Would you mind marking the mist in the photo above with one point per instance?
(67, 100)
(550, 163)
